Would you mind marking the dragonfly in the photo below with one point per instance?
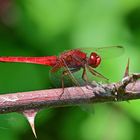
(72, 61)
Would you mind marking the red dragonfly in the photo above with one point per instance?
(72, 61)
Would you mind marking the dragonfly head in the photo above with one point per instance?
(94, 60)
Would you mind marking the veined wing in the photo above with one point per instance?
(105, 52)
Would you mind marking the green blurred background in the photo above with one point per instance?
(48, 27)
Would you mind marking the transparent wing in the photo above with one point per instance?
(105, 52)
(73, 78)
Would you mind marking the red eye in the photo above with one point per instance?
(94, 60)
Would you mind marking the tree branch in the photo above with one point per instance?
(127, 89)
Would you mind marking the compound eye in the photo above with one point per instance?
(94, 60)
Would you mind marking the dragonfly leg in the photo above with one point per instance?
(84, 76)
(95, 73)
(62, 82)
(65, 73)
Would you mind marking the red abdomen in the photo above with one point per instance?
(46, 60)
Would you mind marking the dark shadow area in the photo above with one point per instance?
(132, 23)
(132, 20)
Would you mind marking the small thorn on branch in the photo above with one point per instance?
(127, 69)
(30, 116)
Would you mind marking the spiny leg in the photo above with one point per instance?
(85, 78)
(95, 73)
(83, 65)
(84, 75)
(66, 67)
(66, 73)
(62, 82)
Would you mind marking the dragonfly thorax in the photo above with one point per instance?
(94, 60)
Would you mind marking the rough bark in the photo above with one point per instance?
(127, 89)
